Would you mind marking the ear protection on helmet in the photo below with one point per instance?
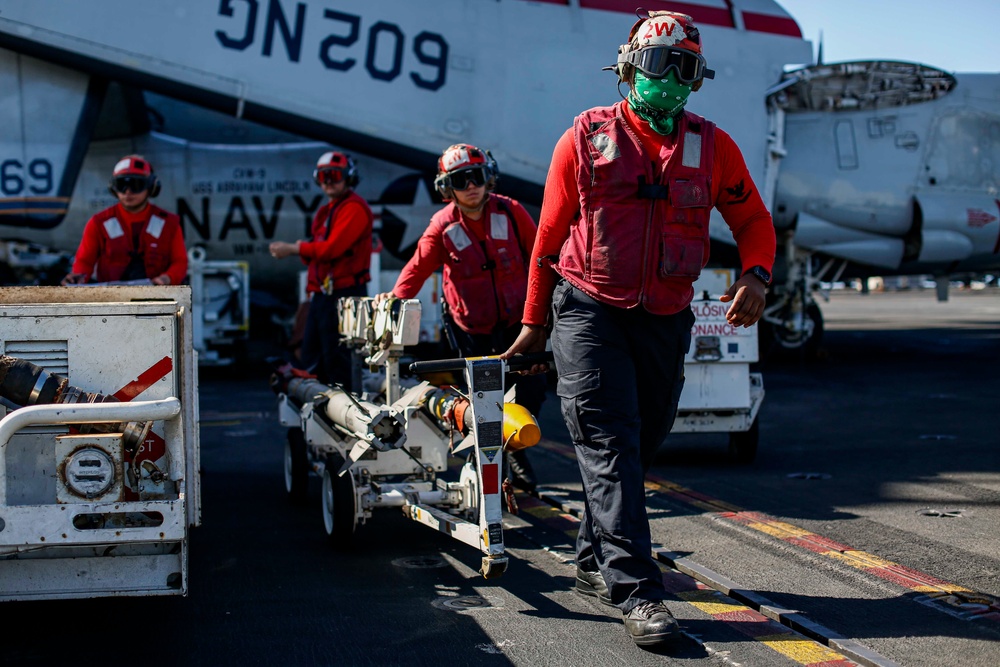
(688, 42)
(135, 167)
(462, 157)
(341, 161)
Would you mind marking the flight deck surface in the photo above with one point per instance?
(863, 533)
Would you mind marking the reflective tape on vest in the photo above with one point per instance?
(609, 149)
(113, 228)
(498, 226)
(458, 236)
(692, 150)
(155, 226)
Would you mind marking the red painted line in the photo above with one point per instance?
(778, 25)
(700, 13)
(898, 574)
(714, 16)
(145, 380)
(818, 544)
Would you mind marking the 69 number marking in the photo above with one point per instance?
(15, 177)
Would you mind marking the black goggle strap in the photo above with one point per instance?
(658, 60)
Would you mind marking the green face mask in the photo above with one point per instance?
(658, 101)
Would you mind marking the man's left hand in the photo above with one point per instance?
(747, 296)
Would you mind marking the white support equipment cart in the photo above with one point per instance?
(99, 458)
(387, 449)
(720, 393)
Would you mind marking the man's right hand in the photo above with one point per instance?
(74, 279)
(379, 298)
(531, 339)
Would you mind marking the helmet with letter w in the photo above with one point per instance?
(660, 42)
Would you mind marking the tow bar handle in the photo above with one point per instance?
(519, 362)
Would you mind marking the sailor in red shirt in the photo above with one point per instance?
(338, 257)
(483, 240)
(623, 235)
(134, 239)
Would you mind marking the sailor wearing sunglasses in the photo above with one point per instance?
(134, 240)
(483, 240)
(338, 256)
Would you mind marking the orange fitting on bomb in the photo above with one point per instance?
(458, 414)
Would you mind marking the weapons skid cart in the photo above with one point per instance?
(720, 393)
(387, 449)
(99, 446)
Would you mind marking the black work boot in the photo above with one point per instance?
(650, 623)
(519, 470)
(593, 584)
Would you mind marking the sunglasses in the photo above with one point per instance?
(460, 180)
(136, 184)
(655, 61)
(331, 176)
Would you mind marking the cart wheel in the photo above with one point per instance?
(296, 467)
(340, 516)
(743, 444)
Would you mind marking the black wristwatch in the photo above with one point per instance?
(760, 273)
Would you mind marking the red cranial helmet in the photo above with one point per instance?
(461, 165)
(135, 173)
(333, 167)
(660, 42)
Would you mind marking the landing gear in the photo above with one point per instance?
(340, 511)
(792, 319)
(296, 467)
(790, 326)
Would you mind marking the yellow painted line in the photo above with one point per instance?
(780, 529)
(788, 643)
(710, 603)
(802, 651)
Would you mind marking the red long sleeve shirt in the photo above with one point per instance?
(431, 253)
(351, 221)
(747, 216)
(94, 252)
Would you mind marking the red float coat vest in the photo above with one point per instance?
(349, 269)
(484, 282)
(642, 238)
(155, 243)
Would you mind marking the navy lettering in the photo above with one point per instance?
(309, 210)
(336, 40)
(397, 51)
(439, 60)
(187, 215)
(293, 40)
(340, 50)
(267, 225)
(237, 218)
(226, 9)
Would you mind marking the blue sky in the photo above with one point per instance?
(957, 35)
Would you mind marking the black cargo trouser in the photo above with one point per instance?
(621, 372)
(322, 352)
